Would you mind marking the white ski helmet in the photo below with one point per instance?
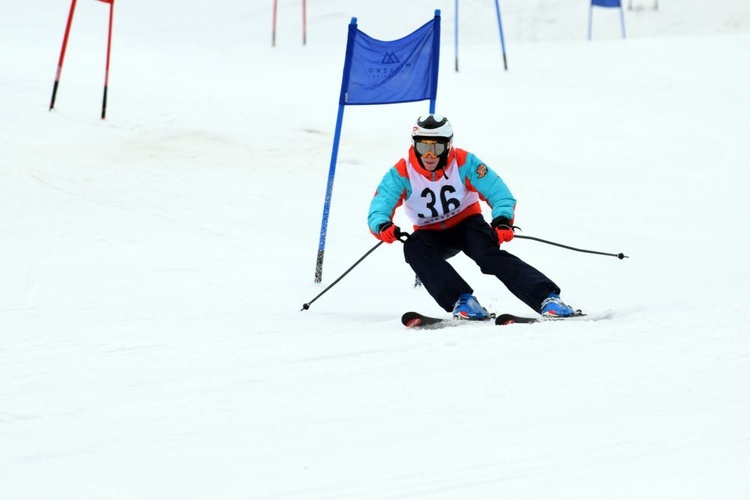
(432, 126)
(436, 129)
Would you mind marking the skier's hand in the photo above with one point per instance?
(503, 234)
(503, 228)
(388, 232)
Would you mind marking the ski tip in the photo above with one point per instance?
(411, 319)
(418, 321)
(510, 319)
(413, 323)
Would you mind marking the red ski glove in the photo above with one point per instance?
(504, 229)
(388, 232)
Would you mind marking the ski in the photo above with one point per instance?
(413, 319)
(510, 319)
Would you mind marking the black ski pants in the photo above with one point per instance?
(428, 251)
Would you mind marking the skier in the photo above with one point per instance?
(440, 187)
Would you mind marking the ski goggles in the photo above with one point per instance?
(430, 147)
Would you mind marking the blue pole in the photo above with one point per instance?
(622, 21)
(455, 34)
(329, 194)
(591, 14)
(335, 150)
(502, 38)
(435, 60)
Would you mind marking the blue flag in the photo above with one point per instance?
(377, 72)
(606, 3)
(403, 70)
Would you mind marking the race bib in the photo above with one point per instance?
(437, 201)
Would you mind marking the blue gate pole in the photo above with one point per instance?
(335, 150)
(455, 34)
(329, 194)
(436, 60)
(502, 37)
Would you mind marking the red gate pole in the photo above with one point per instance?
(62, 54)
(109, 49)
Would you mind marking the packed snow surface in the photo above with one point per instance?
(154, 264)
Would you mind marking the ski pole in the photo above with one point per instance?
(402, 236)
(306, 306)
(618, 255)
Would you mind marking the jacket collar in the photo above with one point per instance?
(423, 171)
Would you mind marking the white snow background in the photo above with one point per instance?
(154, 264)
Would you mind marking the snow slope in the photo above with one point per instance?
(154, 264)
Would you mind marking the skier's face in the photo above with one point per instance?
(430, 151)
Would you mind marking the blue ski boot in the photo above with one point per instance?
(553, 307)
(467, 307)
